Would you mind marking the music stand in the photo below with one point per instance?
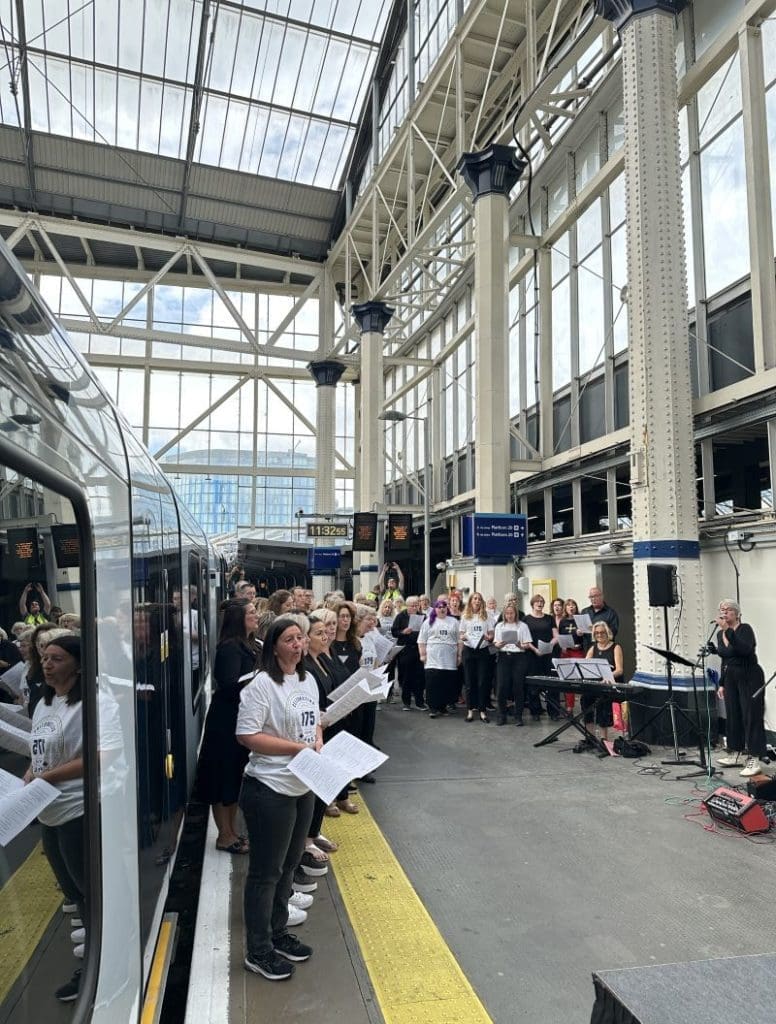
(670, 704)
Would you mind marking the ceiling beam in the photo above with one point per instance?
(26, 126)
(196, 108)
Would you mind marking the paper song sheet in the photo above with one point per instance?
(341, 759)
(14, 739)
(545, 646)
(382, 645)
(416, 621)
(584, 623)
(565, 642)
(361, 693)
(14, 714)
(350, 682)
(19, 804)
(509, 636)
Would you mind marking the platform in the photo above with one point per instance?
(537, 867)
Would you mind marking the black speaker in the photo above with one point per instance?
(661, 582)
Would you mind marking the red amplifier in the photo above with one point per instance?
(736, 809)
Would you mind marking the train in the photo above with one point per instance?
(86, 512)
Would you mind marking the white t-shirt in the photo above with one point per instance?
(368, 651)
(441, 640)
(523, 636)
(57, 737)
(288, 710)
(386, 621)
(472, 632)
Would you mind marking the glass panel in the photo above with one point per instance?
(725, 220)
(595, 505)
(742, 479)
(561, 335)
(562, 512)
(731, 344)
(592, 412)
(561, 424)
(591, 312)
(536, 530)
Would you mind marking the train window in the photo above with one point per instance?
(195, 626)
(49, 830)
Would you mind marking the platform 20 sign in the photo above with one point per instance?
(494, 536)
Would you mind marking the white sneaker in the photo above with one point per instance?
(77, 936)
(79, 951)
(300, 900)
(69, 908)
(752, 767)
(729, 760)
(296, 916)
(76, 922)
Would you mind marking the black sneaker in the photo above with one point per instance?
(291, 948)
(69, 991)
(302, 882)
(310, 866)
(269, 965)
(422, 707)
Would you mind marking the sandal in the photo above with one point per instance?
(236, 847)
(316, 853)
(328, 845)
(332, 811)
(347, 806)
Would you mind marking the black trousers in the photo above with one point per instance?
(64, 849)
(511, 670)
(745, 727)
(277, 826)
(478, 675)
(441, 687)
(411, 676)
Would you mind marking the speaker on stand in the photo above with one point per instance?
(662, 586)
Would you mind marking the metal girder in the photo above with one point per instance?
(160, 243)
(198, 91)
(26, 127)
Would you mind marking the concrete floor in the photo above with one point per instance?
(539, 867)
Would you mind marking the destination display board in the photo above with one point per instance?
(490, 535)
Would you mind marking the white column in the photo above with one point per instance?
(326, 374)
(491, 175)
(665, 514)
(372, 319)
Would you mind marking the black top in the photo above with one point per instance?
(739, 653)
(606, 655)
(323, 674)
(234, 658)
(568, 627)
(541, 626)
(346, 652)
(605, 614)
(400, 623)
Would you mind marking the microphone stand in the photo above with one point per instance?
(704, 750)
(762, 689)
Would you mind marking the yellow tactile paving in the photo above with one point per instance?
(414, 975)
(27, 902)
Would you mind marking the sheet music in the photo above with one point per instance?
(566, 642)
(415, 623)
(593, 670)
(545, 646)
(350, 682)
(382, 645)
(361, 693)
(19, 804)
(393, 653)
(509, 636)
(14, 739)
(248, 677)
(584, 623)
(598, 668)
(13, 714)
(341, 759)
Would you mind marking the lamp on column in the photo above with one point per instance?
(395, 416)
(619, 12)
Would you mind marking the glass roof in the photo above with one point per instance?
(282, 82)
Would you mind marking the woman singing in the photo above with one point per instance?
(742, 676)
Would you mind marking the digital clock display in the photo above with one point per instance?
(327, 530)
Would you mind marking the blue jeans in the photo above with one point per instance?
(277, 828)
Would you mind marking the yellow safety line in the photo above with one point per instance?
(155, 990)
(413, 972)
(28, 901)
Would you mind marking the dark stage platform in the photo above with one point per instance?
(739, 988)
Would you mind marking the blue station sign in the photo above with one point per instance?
(491, 536)
(324, 561)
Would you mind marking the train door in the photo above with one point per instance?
(155, 572)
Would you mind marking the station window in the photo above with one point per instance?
(536, 528)
(742, 477)
(592, 411)
(624, 501)
(595, 506)
(731, 343)
(561, 423)
(562, 512)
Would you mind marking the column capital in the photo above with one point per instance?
(371, 317)
(494, 170)
(326, 372)
(620, 12)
